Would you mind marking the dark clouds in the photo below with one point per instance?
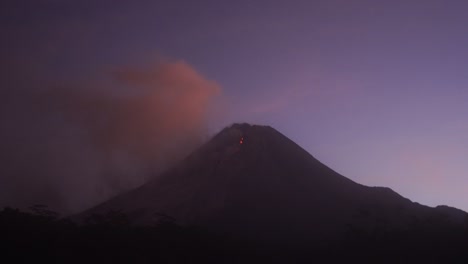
(71, 145)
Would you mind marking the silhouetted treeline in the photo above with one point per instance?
(109, 238)
(41, 236)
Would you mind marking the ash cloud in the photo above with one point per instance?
(72, 146)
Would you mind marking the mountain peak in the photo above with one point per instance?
(244, 128)
(252, 180)
(241, 126)
(240, 134)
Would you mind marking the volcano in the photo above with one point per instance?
(254, 182)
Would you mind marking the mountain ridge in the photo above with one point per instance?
(253, 181)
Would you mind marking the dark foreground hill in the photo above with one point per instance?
(109, 238)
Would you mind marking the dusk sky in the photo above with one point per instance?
(376, 90)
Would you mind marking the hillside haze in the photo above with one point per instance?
(254, 182)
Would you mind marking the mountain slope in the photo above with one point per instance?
(253, 181)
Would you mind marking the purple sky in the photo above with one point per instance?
(377, 90)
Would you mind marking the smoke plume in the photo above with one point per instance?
(72, 145)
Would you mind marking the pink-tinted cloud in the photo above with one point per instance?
(71, 146)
